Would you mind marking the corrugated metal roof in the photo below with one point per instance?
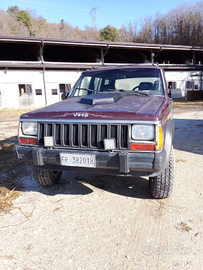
(100, 44)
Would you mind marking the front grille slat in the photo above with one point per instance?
(75, 135)
(124, 141)
(94, 135)
(41, 133)
(66, 135)
(118, 136)
(103, 136)
(114, 133)
(70, 135)
(49, 129)
(58, 134)
(84, 139)
(84, 135)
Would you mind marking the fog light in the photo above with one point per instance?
(110, 144)
(48, 141)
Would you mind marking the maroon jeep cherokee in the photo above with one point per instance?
(115, 121)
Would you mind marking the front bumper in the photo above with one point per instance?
(110, 163)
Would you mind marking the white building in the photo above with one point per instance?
(34, 72)
(27, 88)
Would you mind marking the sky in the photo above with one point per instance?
(106, 12)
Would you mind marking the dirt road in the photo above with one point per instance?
(101, 222)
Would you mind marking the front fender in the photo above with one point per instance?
(168, 141)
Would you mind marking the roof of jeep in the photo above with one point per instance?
(114, 67)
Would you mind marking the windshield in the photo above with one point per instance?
(146, 81)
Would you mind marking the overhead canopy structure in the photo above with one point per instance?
(16, 52)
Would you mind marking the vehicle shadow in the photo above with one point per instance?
(188, 135)
(16, 175)
(78, 183)
(136, 187)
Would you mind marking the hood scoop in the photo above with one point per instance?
(96, 99)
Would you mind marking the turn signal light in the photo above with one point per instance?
(28, 141)
(160, 138)
(143, 147)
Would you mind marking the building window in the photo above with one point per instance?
(65, 88)
(28, 89)
(38, 92)
(25, 89)
(172, 85)
(190, 85)
(62, 87)
(54, 91)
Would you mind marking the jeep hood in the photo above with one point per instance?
(109, 107)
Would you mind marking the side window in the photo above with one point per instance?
(106, 82)
(97, 84)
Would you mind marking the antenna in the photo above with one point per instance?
(93, 13)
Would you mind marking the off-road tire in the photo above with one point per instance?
(46, 177)
(161, 186)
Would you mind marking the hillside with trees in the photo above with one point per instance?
(181, 26)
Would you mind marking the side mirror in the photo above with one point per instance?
(64, 96)
(176, 93)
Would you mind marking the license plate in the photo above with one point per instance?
(78, 160)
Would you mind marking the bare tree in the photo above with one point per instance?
(181, 25)
(91, 33)
(146, 34)
(128, 33)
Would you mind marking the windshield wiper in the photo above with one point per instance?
(89, 90)
(133, 93)
(140, 93)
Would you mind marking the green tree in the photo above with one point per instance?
(25, 17)
(13, 10)
(109, 33)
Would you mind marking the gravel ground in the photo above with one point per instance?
(100, 222)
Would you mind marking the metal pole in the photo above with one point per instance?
(43, 71)
(45, 92)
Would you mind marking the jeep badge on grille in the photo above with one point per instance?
(80, 114)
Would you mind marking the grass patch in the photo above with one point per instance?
(11, 170)
(6, 199)
(185, 227)
(13, 114)
(177, 102)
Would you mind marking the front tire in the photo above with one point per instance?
(46, 177)
(161, 186)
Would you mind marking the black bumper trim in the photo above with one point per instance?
(127, 163)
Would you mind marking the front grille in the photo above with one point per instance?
(84, 135)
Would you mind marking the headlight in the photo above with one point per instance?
(29, 128)
(142, 132)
